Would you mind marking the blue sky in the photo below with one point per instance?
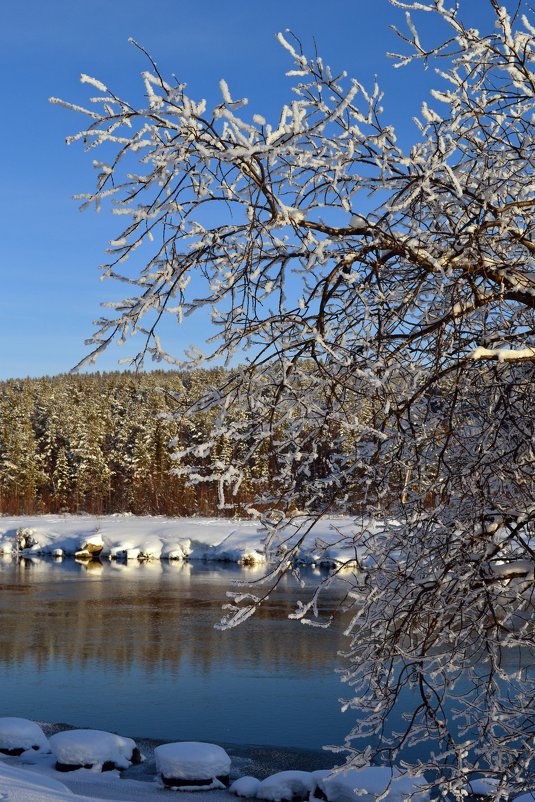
(49, 251)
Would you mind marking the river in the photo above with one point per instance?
(132, 648)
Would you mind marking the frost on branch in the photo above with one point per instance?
(381, 302)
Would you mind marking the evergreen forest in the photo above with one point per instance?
(99, 443)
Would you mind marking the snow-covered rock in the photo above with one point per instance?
(26, 538)
(179, 550)
(17, 735)
(369, 783)
(245, 786)
(93, 749)
(287, 786)
(90, 546)
(192, 766)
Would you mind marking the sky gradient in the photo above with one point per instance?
(49, 251)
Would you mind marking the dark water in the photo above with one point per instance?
(133, 649)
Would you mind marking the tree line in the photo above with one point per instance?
(99, 443)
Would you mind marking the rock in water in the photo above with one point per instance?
(191, 765)
(93, 749)
(17, 735)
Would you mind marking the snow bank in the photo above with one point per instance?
(287, 786)
(192, 766)
(366, 785)
(93, 749)
(156, 537)
(20, 785)
(39, 783)
(17, 735)
(245, 786)
(369, 783)
(243, 545)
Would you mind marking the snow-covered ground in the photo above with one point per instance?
(49, 770)
(33, 784)
(40, 783)
(157, 537)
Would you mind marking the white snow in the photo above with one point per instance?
(245, 786)
(20, 785)
(92, 748)
(516, 569)
(504, 354)
(287, 785)
(485, 786)
(371, 782)
(19, 733)
(131, 537)
(191, 760)
(93, 540)
(40, 783)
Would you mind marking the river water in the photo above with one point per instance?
(132, 649)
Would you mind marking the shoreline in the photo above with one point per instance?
(133, 538)
(35, 779)
(258, 760)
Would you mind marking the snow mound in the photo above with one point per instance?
(22, 785)
(242, 545)
(245, 786)
(192, 766)
(17, 735)
(287, 785)
(369, 783)
(93, 749)
(178, 550)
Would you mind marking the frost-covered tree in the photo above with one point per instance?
(377, 296)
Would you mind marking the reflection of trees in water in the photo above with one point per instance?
(127, 617)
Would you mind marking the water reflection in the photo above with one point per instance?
(132, 647)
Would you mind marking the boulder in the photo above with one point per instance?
(25, 539)
(287, 786)
(190, 765)
(90, 547)
(245, 786)
(93, 749)
(18, 735)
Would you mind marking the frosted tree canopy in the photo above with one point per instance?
(379, 300)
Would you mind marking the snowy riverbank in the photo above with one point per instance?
(256, 773)
(157, 537)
